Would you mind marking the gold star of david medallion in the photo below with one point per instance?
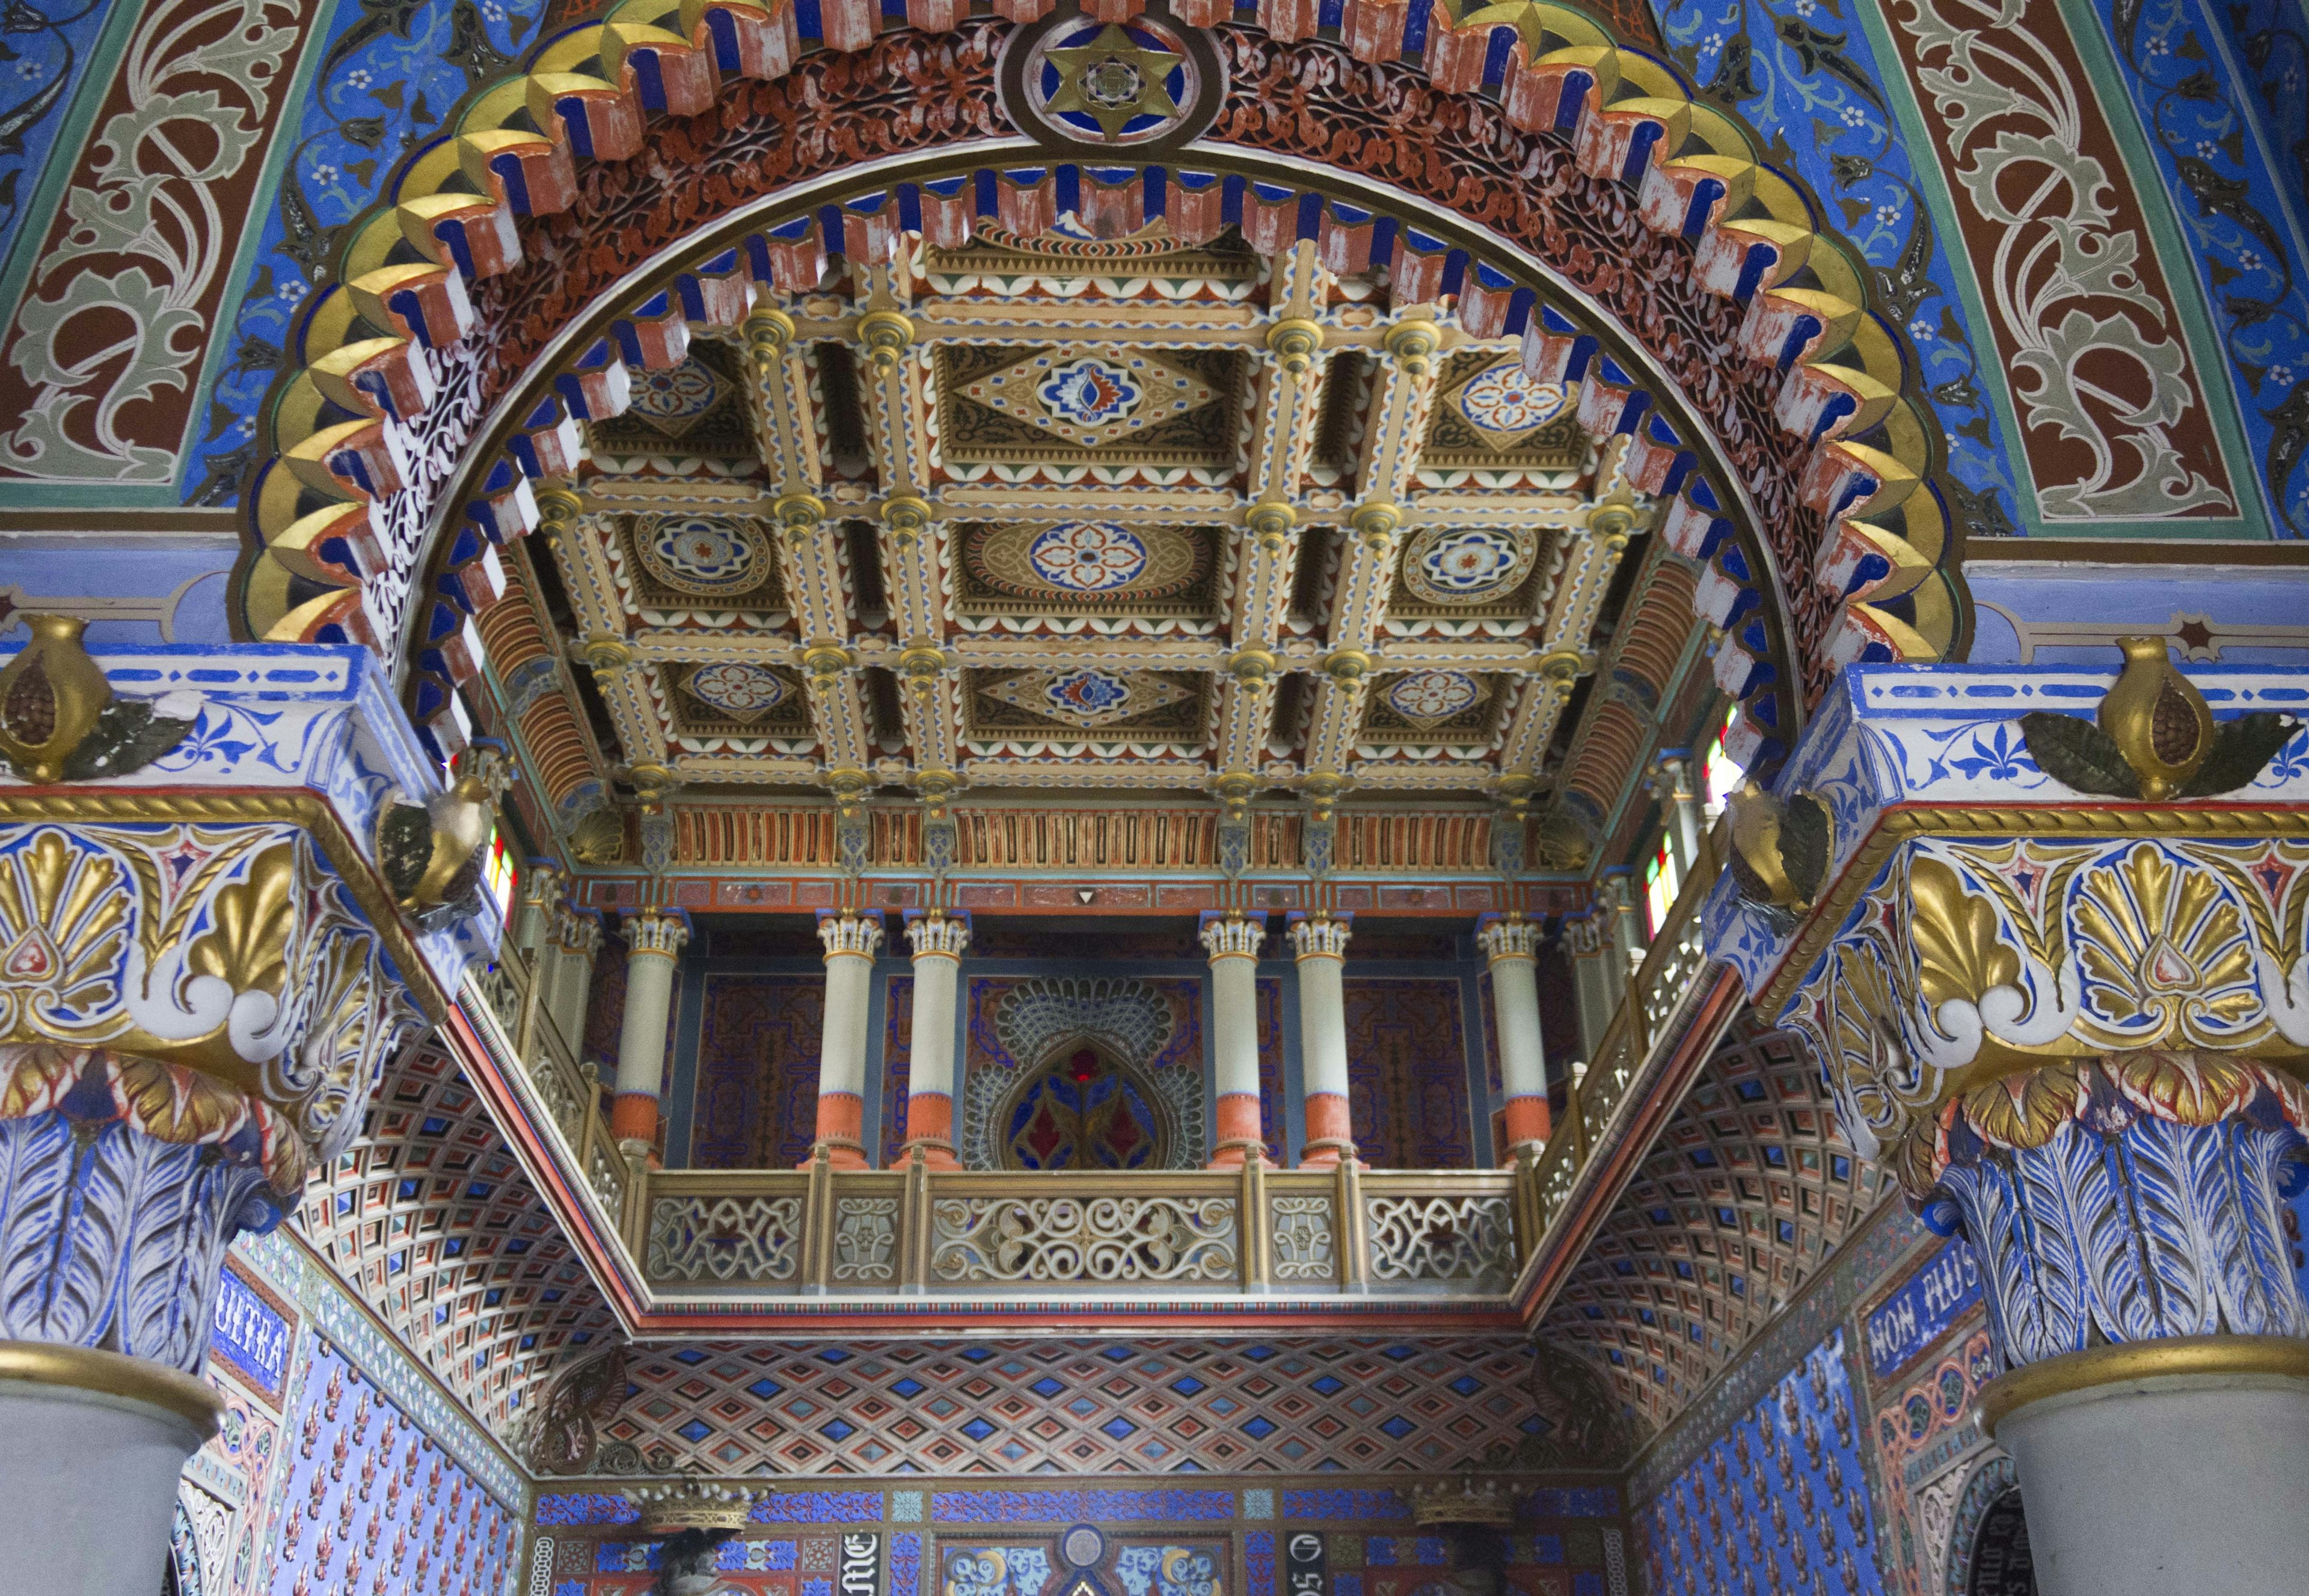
(1084, 86)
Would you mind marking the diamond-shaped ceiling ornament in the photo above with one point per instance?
(1088, 696)
(1092, 400)
(1505, 406)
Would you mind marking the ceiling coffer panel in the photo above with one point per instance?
(1087, 567)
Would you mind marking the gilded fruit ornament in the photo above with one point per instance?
(60, 722)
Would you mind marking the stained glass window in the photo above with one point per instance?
(1661, 879)
(500, 873)
(1721, 775)
(1082, 1111)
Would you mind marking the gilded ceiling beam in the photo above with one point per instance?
(1289, 385)
(1385, 470)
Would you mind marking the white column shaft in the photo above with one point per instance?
(641, 1043)
(1234, 1023)
(931, 1066)
(842, 1058)
(1322, 1026)
(91, 1484)
(1514, 1003)
(2186, 1482)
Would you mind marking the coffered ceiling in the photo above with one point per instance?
(1064, 510)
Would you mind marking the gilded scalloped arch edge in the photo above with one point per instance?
(343, 426)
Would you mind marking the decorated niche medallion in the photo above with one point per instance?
(1087, 556)
(1429, 698)
(1089, 393)
(1465, 565)
(704, 556)
(741, 692)
(1146, 84)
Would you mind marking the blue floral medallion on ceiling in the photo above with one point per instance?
(1087, 556)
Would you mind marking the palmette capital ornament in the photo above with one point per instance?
(1969, 960)
(2073, 1029)
(1316, 937)
(938, 936)
(1509, 937)
(2131, 1197)
(855, 935)
(659, 933)
(235, 952)
(1233, 936)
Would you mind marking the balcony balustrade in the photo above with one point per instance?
(719, 1240)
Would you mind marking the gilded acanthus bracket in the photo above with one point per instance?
(241, 907)
(1972, 916)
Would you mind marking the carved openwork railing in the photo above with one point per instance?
(969, 1233)
(567, 1094)
(1671, 967)
(723, 1236)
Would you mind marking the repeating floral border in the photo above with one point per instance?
(391, 72)
(1803, 68)
(2176, 61)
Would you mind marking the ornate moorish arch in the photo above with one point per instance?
(1513, 174)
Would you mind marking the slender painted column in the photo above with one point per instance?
(1627, 926)
(1320, 947)
(1511, 945)
(569, 961)
(850, 941)
(2074, 1029)
(1233, 942)
(654, 941)
(938, 940)
(1593, 988)
(1672, 779)
(542, 884)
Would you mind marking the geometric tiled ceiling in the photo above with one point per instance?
(1078, 1406)
(431, 1221)
(1748, 1189)
(1035, 526)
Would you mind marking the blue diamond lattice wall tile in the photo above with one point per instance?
(1011, 1409)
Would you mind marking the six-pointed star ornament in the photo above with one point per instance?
(1114, 80)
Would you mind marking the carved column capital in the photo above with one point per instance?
(854, 935)
(938, 936)
(1319, 937)
(660, 934)
(1508, 936)
(577, 930)
(211, 940)
(2073, 1028)
(1233, 936)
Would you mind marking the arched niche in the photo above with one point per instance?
(1084, 1106)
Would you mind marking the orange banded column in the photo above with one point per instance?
(1511, 944)
(1319, 948)
(1233, 942)
(653, 941)
(938, 942)
(850, 941)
